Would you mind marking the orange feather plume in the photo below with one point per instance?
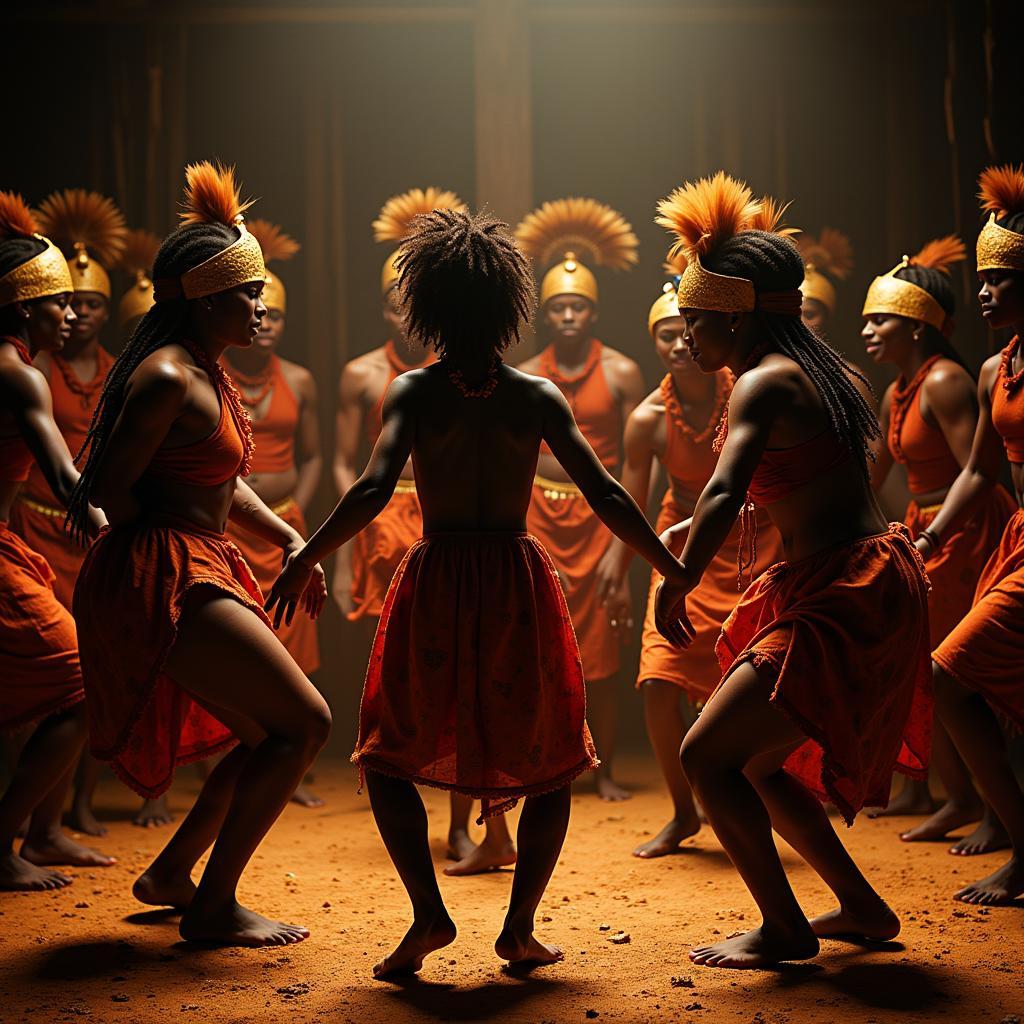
(704, 213)
(768, 217)
(16, 218)
(76, 217)
(830, 253)
(395, 219)
(1001, 190)
(595, 232)
(211, 195)
(940, 253)
(276, 245)
(675, 263)
(140, 249)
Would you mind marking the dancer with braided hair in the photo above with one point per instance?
(40, 677)
(817, 702)
(928, 420)
(179, 659)
(475, 683)
(977, 666)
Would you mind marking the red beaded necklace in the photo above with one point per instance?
(902, 398)
(549, 365)
(21, 348)
(86, 390)
(673, 406)
(1011, 381)
(261, 383)
(484, 390)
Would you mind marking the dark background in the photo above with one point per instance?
(875, 118)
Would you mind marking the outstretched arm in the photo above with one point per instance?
(347, 426)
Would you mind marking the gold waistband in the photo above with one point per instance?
(43, 510)
(283, 506)
(556, 490)
(405, 487)
(928, 510)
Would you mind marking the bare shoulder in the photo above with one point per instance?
(618, 362)
(773, 384)
(947, 375)
(359, 375)
(989, 373)
(530, 387)
(162, 374)
(531, 365)
(646, 417)
(299, 379)
(20, 383)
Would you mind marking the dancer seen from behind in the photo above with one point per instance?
(179, 661)
(475, 683)
(822, 697)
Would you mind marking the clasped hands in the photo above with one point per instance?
(299, 582)
(670, 616)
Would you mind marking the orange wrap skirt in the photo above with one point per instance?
(378, 550)
(695, 670)
(985, 651)
(955, 568)
(576, 539)
(843, 636)
(39, 669)
(265, 560)
(40, 524)
(474, 683)
(129, 598)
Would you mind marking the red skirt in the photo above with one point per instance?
(843, 635)
(41, 525)
(474, 683)
(39, 669)
(129, 598)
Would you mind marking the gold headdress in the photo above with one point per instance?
(891, 294)
(42, 275)
(826, 258)
(140, 249)
(211, 197)
(575, 232)
(665, 305)
(702, 215)
(276, 245)
(1001, 190)
(395, 220)
(90, 230)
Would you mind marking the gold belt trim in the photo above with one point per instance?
(929, 510)
(283, 506)
(43, 510)
(405, 487)
(556, 490)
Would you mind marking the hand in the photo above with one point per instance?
(341, 587)
(618, 606)
(674, 538)
(670, 616)
(297, 582)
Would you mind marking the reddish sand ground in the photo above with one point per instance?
(91, 952)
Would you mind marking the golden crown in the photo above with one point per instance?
(701, 289)
(891, 294)
(999, 248)
(43, 275)
(664, 306)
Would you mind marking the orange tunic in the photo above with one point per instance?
(378, 549)
(689, 461)
(274, 452)
(931, 466)
(37, 516)
(561, 519)
(474, 683)
(984, 650)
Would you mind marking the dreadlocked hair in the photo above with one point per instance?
(773, 263)
(164, 324)
(464, 285)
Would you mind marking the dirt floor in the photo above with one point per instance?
(91, 952)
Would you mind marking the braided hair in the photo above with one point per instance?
(464, 285)
(164, 324)
(773, 263)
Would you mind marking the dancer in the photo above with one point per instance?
(828, 258)
(676, 424)
(140, 249)
(928, 419)
(602, 387)
(977, 666)
(475, 683)
(178, 658)
(817, 701)
(40, 677)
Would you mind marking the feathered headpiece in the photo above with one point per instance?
(90, 231)
(140, 249)
(44, 274)
(1001, 191)
(827, 258)
(394, 222)
(212, 197)
(276, 245)
(891, 294)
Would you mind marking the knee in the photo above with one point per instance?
(695, 758)
(949, 694)
(317, 726)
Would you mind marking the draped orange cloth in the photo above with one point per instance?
(39, 668)
(843, 637)
(474, 682)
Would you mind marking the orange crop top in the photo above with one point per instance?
(689, 457)
(782, 471)
(15, 457)
(274, 434)
(1008, 405)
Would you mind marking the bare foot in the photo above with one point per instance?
(485, 857)
(876, 924)
(153, 813)
(460, 846)
(1001, 886)
(669, 838)
(526, 949)
(81, 819)
(913, 798)
(304, 798)
(234, 925)
(988, 837)
(757, 949)
(420, 940)
(948, 817)
(18, 875)
(58, 848)
(157, 891)
(611, 791)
